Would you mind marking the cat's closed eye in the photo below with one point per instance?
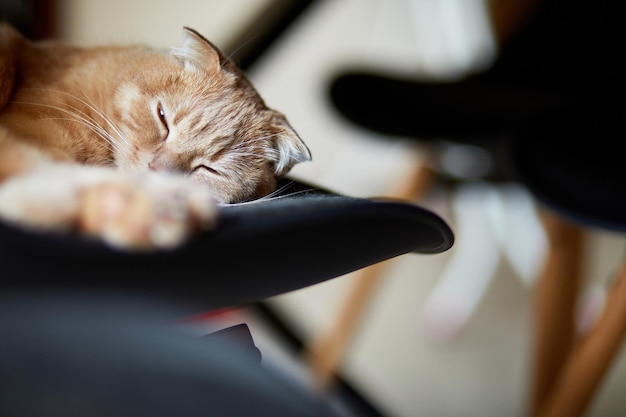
(208, 169)
(163, 119)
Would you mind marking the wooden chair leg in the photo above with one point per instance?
(326, 353)
(591, 358)
(555, 298)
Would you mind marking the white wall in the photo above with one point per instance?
(156, 22)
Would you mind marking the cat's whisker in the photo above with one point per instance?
(77, 116)
(265, 148)
(103, 133)
(274, 195)
(106, 143)
(250, 144)
(81, 117)
(108, 121)
(268, 152)
(268, 197)
(259, 151)
(230, 56)
(103, 116)
(257, 139)
(280, 190)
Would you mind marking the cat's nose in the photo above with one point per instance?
(159, 164)
(163, 164)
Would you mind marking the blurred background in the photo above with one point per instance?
(440, 335)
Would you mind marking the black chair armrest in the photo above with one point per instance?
(259, 249)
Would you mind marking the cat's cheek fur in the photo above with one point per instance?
(137, 212)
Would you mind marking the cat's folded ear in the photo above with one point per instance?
(291, 149)
(197, 52)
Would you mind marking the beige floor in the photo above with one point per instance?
(401, 367)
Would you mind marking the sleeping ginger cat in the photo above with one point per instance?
(130, 144)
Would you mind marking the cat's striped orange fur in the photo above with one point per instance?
(132, 144)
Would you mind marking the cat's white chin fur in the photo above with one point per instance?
(144, 211)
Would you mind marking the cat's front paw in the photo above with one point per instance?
(148, 212)
(130, 212)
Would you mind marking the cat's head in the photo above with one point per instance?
(193, 112)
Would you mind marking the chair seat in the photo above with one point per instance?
(76, 355)
(302, 238)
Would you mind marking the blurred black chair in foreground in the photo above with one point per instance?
(564, 55)
(91, 330)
